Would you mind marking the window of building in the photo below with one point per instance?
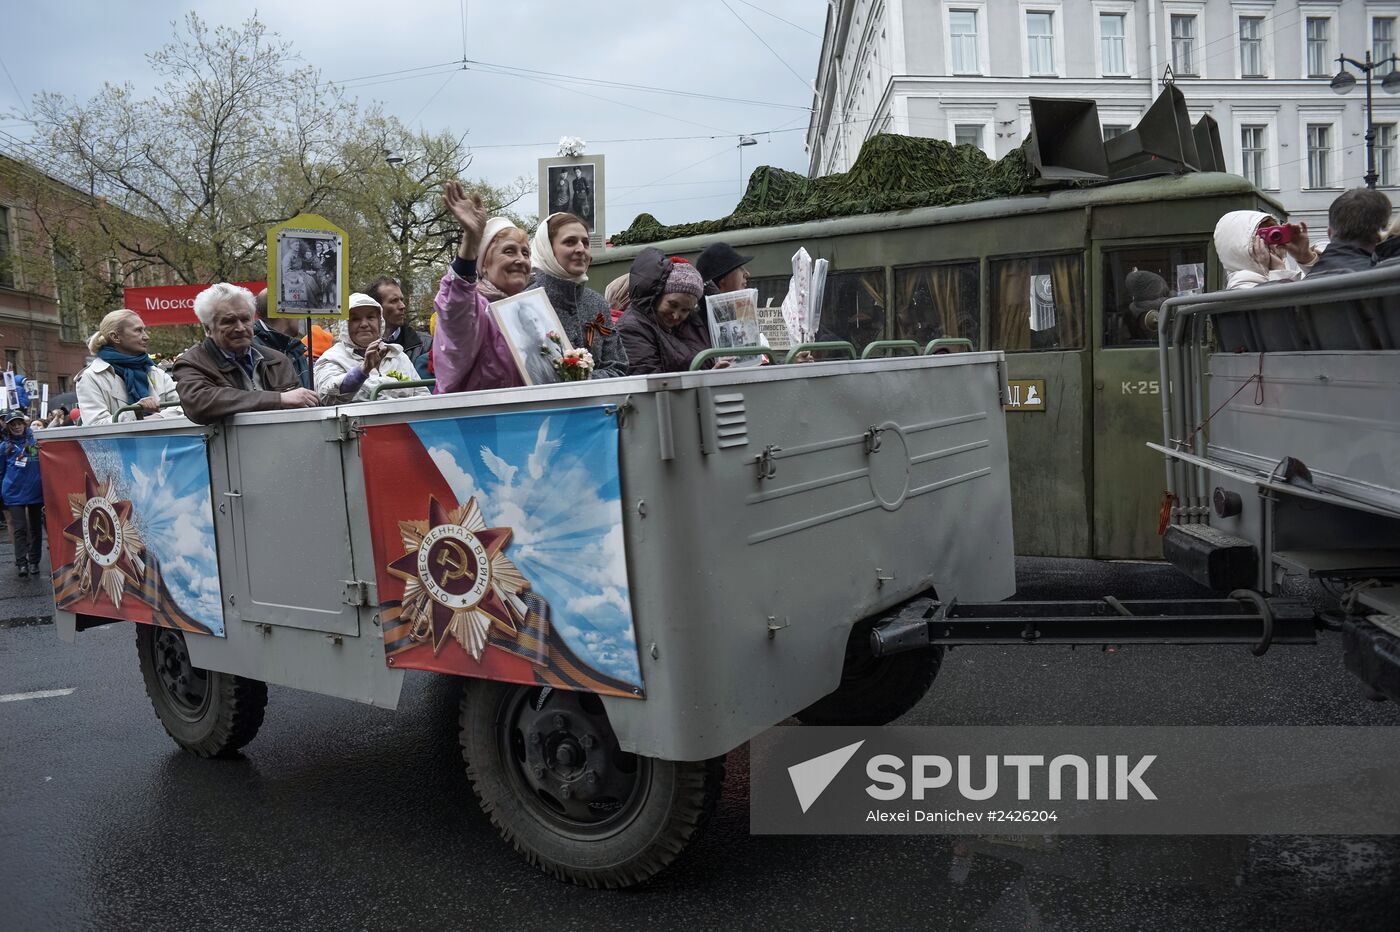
(1383, 43)
(7, 272)
(1252, 47)
(1040, 42)
(853, 307)
(1112, 43)
(1110, 130)
(1385, 153)
(1184, 44)
(63, 384)
(1253, 151)
(69, 288)
(962, 32)
(1036, 303)
(967, 134)
(935, 301)
(1138, 279)
(1319, 50)
(12, 360)
(1319, 155)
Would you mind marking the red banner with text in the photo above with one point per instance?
(172, 304)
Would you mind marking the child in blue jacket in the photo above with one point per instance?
(23, 492)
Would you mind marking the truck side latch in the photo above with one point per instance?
(357, 592)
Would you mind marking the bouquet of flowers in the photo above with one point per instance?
(573, 365)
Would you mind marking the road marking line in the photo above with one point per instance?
(41, 694)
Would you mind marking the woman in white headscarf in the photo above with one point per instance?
(359, 360)
(1250, 261)
(561, 255)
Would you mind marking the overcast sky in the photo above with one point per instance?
(73, 46)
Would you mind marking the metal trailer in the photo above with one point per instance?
(1282, 449)
(770, 516)
(1083, 482)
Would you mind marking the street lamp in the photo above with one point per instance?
(1344, 81)
(743, 141)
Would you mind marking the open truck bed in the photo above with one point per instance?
(634, 576)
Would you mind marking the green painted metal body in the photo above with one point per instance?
(1083, 483)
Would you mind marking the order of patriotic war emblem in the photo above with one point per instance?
(102, 531)
(458, 579)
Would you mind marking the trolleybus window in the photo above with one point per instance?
(853, 307)
(1037, 303)
(932, 301)
(771, 288)
(1137, 279)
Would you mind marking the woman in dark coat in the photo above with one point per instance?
(664, 326)
(560, 255)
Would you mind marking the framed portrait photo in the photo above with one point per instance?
(527, 319)
(574, 184)
(307, 262)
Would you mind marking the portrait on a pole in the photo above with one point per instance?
(306, 269)
(574, 184)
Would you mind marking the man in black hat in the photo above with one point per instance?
(723, 269)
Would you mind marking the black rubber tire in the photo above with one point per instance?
(676, 799)
(229, 717)
(875, 691)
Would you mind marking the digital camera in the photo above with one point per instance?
(1280, 235)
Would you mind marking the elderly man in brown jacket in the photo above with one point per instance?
(228, 373)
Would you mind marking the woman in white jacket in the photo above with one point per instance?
(359, 360)
(1249, 261)
(123, 374)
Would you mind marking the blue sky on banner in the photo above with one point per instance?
(552, 478)
(673, 155)
(166, 480)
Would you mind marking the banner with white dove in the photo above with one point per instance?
(499, 550)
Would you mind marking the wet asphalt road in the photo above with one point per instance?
(342, 816)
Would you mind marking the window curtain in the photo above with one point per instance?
(1011, 300)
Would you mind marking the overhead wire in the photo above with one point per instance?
(805, 83)
(778, 18)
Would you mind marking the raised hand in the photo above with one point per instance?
(374, 355)
(470, 213)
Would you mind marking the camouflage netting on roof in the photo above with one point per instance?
(891, 173)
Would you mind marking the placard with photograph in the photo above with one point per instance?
(733, 319)
(574, 184)
(527, 319)
(306, 269)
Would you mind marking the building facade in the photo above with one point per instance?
(962, 70)
(59, 274)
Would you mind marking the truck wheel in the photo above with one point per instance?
(208, 714)
(548, 770)
(874, 690)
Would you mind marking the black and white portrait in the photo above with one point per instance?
(527, 319)
(309, 273)
(572, 189)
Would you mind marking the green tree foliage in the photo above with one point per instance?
(239, 136)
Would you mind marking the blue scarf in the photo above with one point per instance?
(134, 370)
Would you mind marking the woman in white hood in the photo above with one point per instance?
(1250, 261)
(359, 360)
